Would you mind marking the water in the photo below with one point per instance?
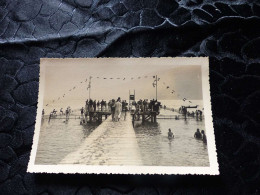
(58, 139)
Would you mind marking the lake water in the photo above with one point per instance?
(58, 139)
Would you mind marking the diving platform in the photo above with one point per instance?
(111, 143)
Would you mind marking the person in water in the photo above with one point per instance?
(204, 137)
(170, 134)
(197, 134)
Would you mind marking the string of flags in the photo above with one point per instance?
(167, 87)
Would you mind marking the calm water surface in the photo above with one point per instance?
(58, 139)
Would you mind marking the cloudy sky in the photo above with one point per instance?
(61, 75)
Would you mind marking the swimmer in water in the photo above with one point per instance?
(170, 134)
(197, 134)
(204, 137)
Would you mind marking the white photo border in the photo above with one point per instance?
(213, 168)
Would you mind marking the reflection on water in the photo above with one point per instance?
(59, 138)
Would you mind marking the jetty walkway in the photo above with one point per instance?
(111, 143)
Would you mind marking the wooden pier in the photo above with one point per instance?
(97, 116)
(111, 143)
(145, 116)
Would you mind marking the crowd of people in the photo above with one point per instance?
(93, 105)
(198, 113)
(116, 107)
(145, 105)
(54, 112)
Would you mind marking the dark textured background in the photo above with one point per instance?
(228, 32)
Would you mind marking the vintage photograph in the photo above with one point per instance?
(125, 116)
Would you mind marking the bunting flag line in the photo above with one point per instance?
(124, 78)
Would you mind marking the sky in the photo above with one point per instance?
(61, 75)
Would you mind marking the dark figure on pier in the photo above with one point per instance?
(145, 103)
(43, 112)
(204, 137)
(197, 134)
(102, 104)
(184, 110)
(157, 106)
(54, 111)
(51, 114)
(124, 108)
(105, 105)
(98, 105)
(192, 114)
(197, 114)
(95, 105)
(170, 134)
(61, 111)
(82, 111)
(180, 110)
(200, 113)
(113, 109)
(91, 109)
(67, 114)
(150, 105)
(91, 102)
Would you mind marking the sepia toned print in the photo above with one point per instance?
(124, 116)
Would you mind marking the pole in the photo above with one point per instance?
(89, 85)
(156, 87)
(129, 101)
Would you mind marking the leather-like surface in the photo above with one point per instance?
(227, 31)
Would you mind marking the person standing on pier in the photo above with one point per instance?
(95, 105)
(118, 109)
(82, 111)
(112, 105)
(102, 105)
(98, 105)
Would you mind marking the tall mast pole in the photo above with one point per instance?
(156, 86)
(89, 86)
